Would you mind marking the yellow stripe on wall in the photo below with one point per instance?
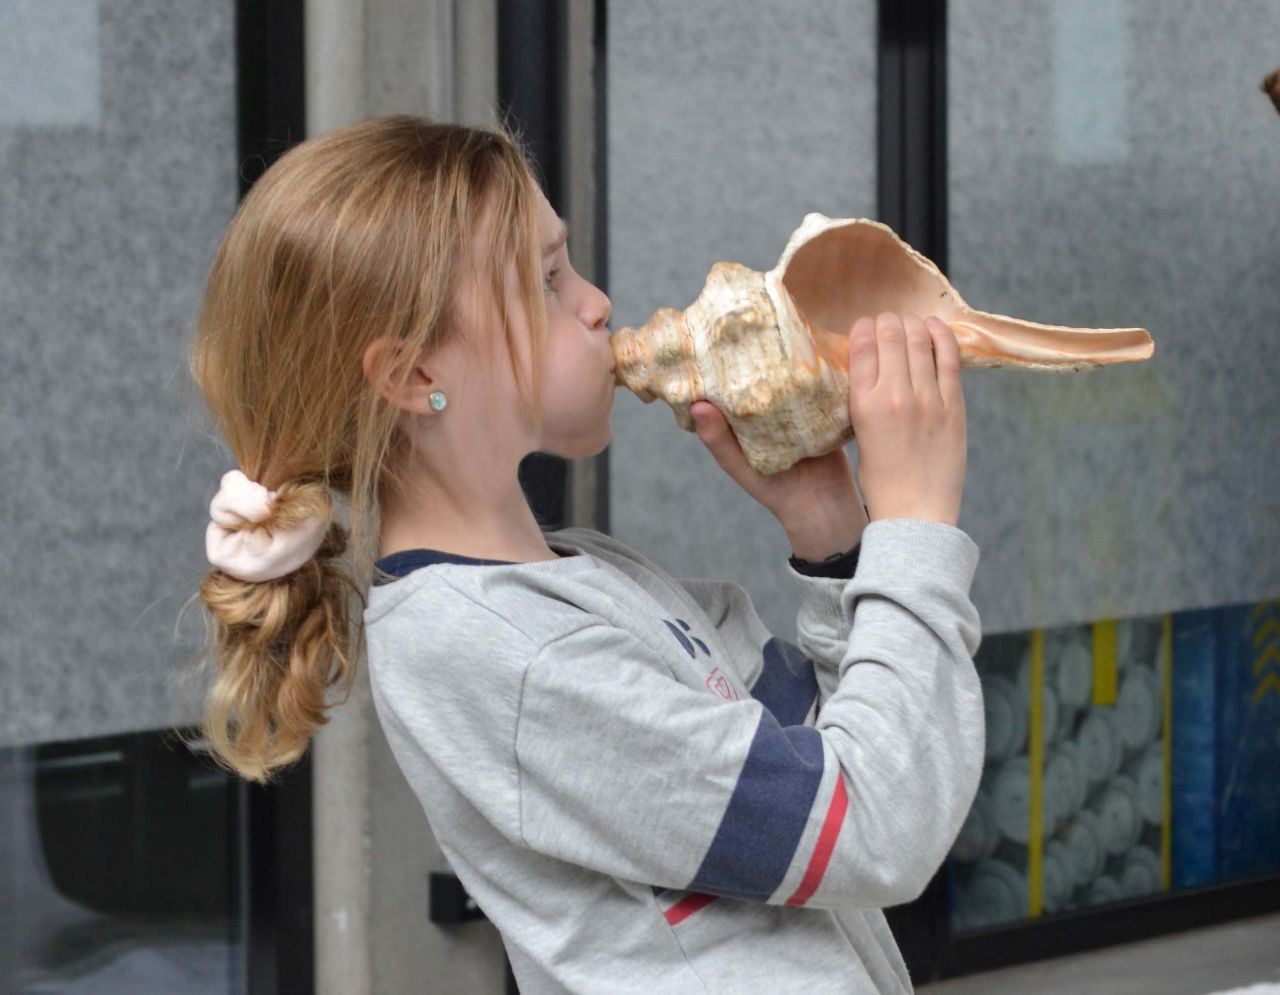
(1166, 821)
(1104, 662)
(1035, 842)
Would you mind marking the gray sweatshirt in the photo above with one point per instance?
(646, 791)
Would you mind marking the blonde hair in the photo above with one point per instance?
(360, 233)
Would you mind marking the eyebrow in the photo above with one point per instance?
(558, 241)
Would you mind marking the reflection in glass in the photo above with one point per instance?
(117, 853)
(1107, 779)
(1075, 816)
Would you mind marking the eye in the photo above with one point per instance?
(546, 280)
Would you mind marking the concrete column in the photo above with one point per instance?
(373, 846)
(580, 156)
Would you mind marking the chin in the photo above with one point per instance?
(588, 447)
(598, 448)
(590, 436)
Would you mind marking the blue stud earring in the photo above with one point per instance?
(438, 400)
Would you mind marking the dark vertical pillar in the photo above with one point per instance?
(912, 200)
(600, 258)
(275, 898)
(270, 84)
(912, 123)
(532, 55)
(276, 894)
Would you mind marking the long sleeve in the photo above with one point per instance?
(628, 771)
(790, 679)
(823, 624)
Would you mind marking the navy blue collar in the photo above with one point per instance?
(406, 561)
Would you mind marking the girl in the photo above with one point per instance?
(643, 789)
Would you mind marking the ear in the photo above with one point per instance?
(384, 364)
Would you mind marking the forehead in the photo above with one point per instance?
(551, 228)
(554, 233)
(491, 255)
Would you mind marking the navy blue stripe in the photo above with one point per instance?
(787, 685)
(766, 816)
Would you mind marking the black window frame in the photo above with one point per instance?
(273, 824)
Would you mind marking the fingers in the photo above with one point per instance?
(924, 378)
(864, 364)
(907, 350)
(893, 349)
(910, 424)
(946, 357)
(714, 431)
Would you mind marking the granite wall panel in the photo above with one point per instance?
(1113, 165)
(728, 122)
(115, 186)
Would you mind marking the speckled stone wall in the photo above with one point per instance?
(728, 122)
(1115, 164)
(1107, 168)
(117, 176)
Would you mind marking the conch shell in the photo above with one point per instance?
(770, 350)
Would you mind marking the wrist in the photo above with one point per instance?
(820, 537)
(817, 551)
(921, 515)
(841, 565)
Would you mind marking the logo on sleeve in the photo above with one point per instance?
(717, 681)
(685, 641)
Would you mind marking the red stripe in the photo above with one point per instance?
(826, 843)
(687, 906)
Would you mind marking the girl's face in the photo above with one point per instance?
(577, 375)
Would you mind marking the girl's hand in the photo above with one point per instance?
(815, 500)
(907, 408)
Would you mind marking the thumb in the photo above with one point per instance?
(707, 420)
(717, 435)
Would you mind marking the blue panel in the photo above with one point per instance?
(1193, 789)
(1248, 767)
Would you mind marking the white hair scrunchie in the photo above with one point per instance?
(255, 554)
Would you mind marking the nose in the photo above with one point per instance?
(597, 310)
